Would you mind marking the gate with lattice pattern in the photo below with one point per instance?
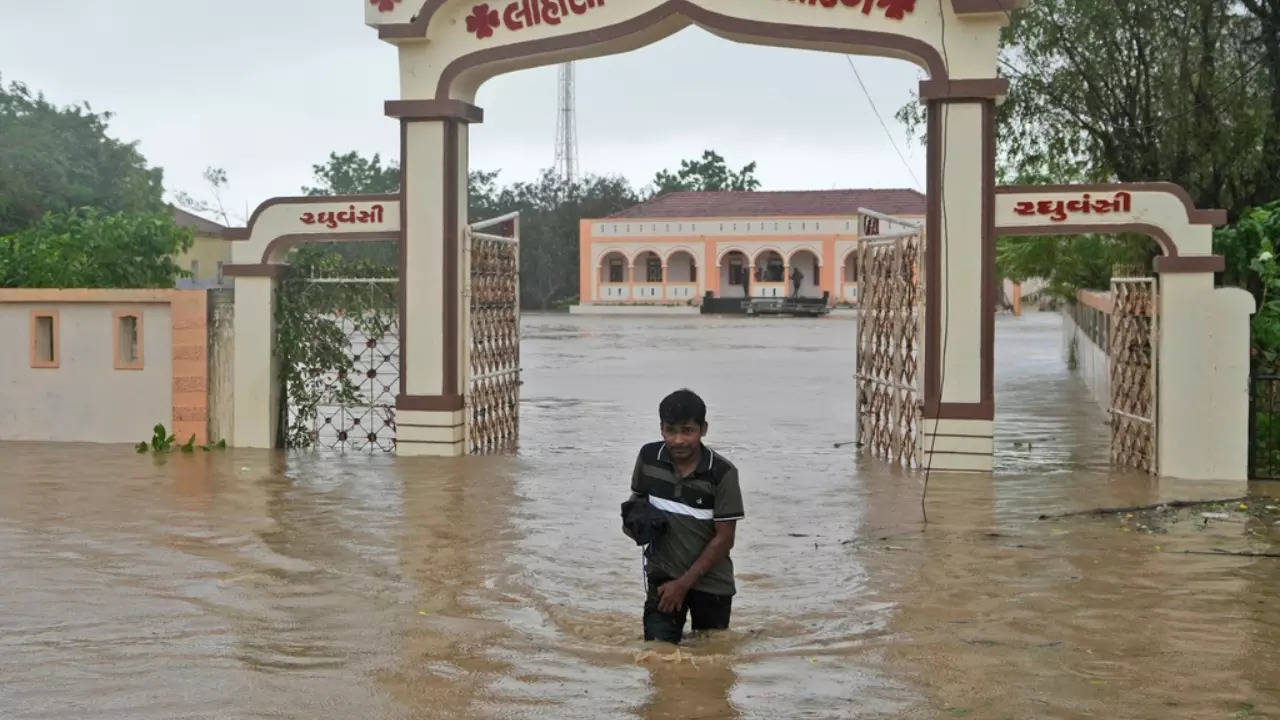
(343, 396)
(890, 344)
(493, 291)
(1134, 367)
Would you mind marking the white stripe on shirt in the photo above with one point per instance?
(680, 508)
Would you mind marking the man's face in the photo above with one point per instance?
(683, 438)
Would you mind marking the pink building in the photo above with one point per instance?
(680, 247)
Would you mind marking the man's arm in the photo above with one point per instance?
(671, 595)
(635, 489)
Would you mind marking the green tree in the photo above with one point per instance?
(1068, 263)
(550, 212)
(1267, 13)
(89, 248)
(1250, 246)
(1136, 90)
(484, 196)
(55, 159)
(353, 174)
(708, 173)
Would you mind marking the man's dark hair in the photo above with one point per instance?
(682, 406)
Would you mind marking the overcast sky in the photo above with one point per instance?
(267, 89)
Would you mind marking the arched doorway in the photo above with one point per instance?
(734, 269)
(848, 287)
(810, 274)
(682, 276)
(769, 275)
(648, 275)
(614, 277)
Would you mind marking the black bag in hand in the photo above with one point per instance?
(641, 521)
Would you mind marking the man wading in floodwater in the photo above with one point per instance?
(696, 490)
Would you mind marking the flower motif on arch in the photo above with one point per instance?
(897, 9)
(482, 21)
(384, 5)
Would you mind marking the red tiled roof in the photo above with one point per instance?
(804, 203)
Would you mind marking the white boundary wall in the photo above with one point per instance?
(1092, 363)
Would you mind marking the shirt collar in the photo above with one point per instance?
(704, 464)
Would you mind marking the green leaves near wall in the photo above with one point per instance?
(314, 349)
(90, 248)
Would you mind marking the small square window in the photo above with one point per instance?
(128, 340)
(44, 339)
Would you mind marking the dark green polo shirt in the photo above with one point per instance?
(693, 505)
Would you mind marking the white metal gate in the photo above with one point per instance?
(1134, 341)
(493, 294)
(890, 371)
(351, 408)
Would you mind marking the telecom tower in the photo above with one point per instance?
(567, 127)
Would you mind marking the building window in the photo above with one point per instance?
(128, 340)
(195, 269)
(736, 275)
(220, 275)
(653, 270)
(693, 273)
(615, 270)
(774, 270)
(44, 339)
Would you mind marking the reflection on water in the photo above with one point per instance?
(248, 584)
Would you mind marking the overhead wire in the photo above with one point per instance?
(883, 124)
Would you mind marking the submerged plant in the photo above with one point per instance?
(164, 442)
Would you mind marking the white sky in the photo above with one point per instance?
(266, 89)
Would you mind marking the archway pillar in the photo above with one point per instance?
(434, 314)
(959, 333)
(1203, 364)
(256, 374)
(709, 278)
(830, 283)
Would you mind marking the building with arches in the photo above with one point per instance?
(681, 247)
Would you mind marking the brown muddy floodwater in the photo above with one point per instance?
(255, 585)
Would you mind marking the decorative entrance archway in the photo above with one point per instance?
(449, 48)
